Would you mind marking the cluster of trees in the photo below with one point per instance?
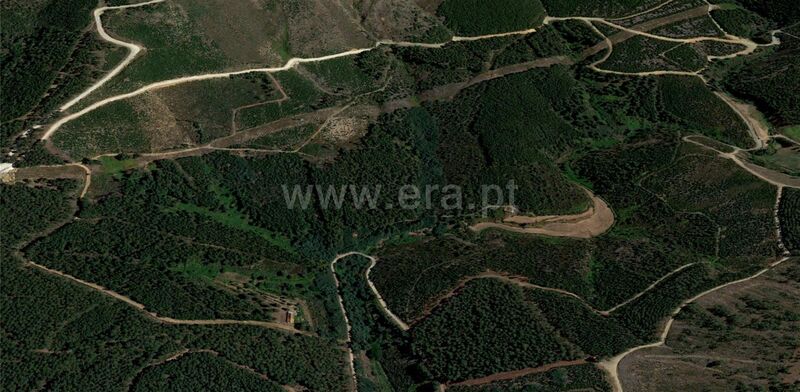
(37, 42)
(598, 8)
(789, 215)
(487, 328)
(547, 262)
(742, 22)
(770, 80)
(71, 337)
(586, 377)
(740, 204)
(455, 62)
(201, 371)
(690, 101)
(594, 334)
(383, 345)
(475, 17)
(639, 54)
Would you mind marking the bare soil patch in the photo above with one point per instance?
(591, 223)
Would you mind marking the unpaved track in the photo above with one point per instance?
(167, 320)
(523, 282)
(770, 176)
(351, 367)
(642, 30)
(68, 171)
(758, 131)
(611, 365)
(518, 373)
(595, 221)
(133, 50)
(186, 79)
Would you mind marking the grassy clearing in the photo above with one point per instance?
(114, 166)
(792, 132)
(238, 221)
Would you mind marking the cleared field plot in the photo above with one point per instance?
(186, 114)
(318, 27)
(401, 20)
(743, 336)
(780, 156)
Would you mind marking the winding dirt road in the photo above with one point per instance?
(291, 63)
(133, 50)
(168, 320)
(611, 365)
(595, 221)
(66, 171)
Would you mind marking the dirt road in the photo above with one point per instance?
(167, 320)
(75, 171)
(133, 50)
(749, 114)
(611, 365)
(518, 373)
(768, 175)
(591, 223)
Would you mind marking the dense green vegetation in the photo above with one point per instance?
(598, 8)
(47, 57)
(639, 54)
(73, 338)
(582, 377)
(510, 144)
(783, 12)
(38, 40)
(476, 17)
(455, 62)
(789, 216)
(201, 371)
(383, 356)
(487, 328)
(547, 262)
(691, 102)
(223, 236)
(770, 80)
(741, 22)
(592, 333)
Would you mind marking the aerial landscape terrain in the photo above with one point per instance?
(400, 195)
